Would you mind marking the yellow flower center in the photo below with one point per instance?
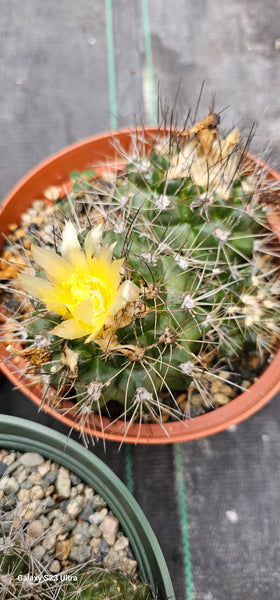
(81, 286)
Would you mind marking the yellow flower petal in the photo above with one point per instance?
(43, 290)
(127, 292)
(35, 286)
(50, 299)
(106, 253)
(116, 266)
(70, 330)
(106, 272)
(55, 266)
(93, 241)
(90, 314)
(71, 249)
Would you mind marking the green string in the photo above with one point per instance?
(111, 66)
(184, 521)
(129, 468)
(152, 106)
(114, 125)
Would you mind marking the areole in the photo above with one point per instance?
(93, 152)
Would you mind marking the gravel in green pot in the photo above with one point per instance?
(24, 571)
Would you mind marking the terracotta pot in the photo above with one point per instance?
(92, 152)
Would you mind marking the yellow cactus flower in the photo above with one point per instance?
(84, 287)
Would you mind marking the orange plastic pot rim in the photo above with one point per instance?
(55, 170)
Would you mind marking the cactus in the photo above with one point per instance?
(23, 576)
(165, 278)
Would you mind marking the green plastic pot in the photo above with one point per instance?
(21, 434)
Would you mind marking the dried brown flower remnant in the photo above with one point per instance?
(211, 161)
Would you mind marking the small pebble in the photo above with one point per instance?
(31, 459)
(98, 517)
(52, 193)
(95, 531)
(98, 502)
(48, 502)
(49, 541)
(45, 521)
(87, 512)
(35, 529)
(103, 547)
(94, 542)
(55, 566)
(229, 391)
(75, 506)
(80, 553)
(12, 227)
(33, 228)
(63, 505)
(215, 386)
(224, 374)
(39, 552)
(44, 485)
(121, 543)
(33, 509)
(49, 491)
(75, 479)
(11, 486)
(52, 476)
(221, 398)
(111, 560)
(79, 539)
(55, 514)
(20, 474)
(3, 468)
(82, 529)
(254, 362)
(130, 553)
(109, 529)
(62, 537)
(7, 503)
(37, 492)
(62, 550)
(88, 492)
(128, 566)
(63, 483)
(44, 468)
(24, 495)
(9, 459)
(68, 526)
(3, 453)
(246, 383)
(32, 212)
(39, 205)
(35, 477)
